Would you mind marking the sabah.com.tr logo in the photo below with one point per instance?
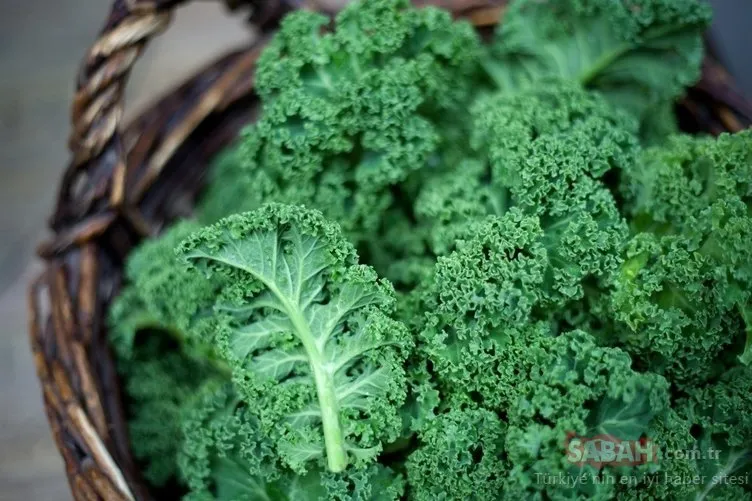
(607, 450)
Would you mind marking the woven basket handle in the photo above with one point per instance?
(94, 181)
(93, 190)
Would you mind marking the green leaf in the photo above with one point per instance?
(224, 455)
(626, 419)
(717, 468)
(305, 315)
(235, 482)
(638, 53)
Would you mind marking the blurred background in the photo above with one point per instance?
(41, 43)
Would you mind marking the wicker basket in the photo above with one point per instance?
(125, 184)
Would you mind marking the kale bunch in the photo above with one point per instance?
(438, 268)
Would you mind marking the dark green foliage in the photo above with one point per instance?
(682, 297)
(307, 333)
(347, 118)
(436, 269)
(460, 457)
(158, 385)
(639, 53)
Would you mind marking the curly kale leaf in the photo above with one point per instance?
(508, 123)
(575, 387)
(673, 187)
(487, 294)
(683, 295)
(226, 456)
(548, 389)
(711, 431)
(163, 294)
(349, 115)
(460, 457)
(159, 381)
(307, 332)
(671, 310)
(533, 225)
(638, 53)
(543, 151)
(722, 414)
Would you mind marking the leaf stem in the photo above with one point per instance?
(334, 442)
(603, 62)
(610, 57)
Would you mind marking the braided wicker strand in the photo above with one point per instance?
(125, 184)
